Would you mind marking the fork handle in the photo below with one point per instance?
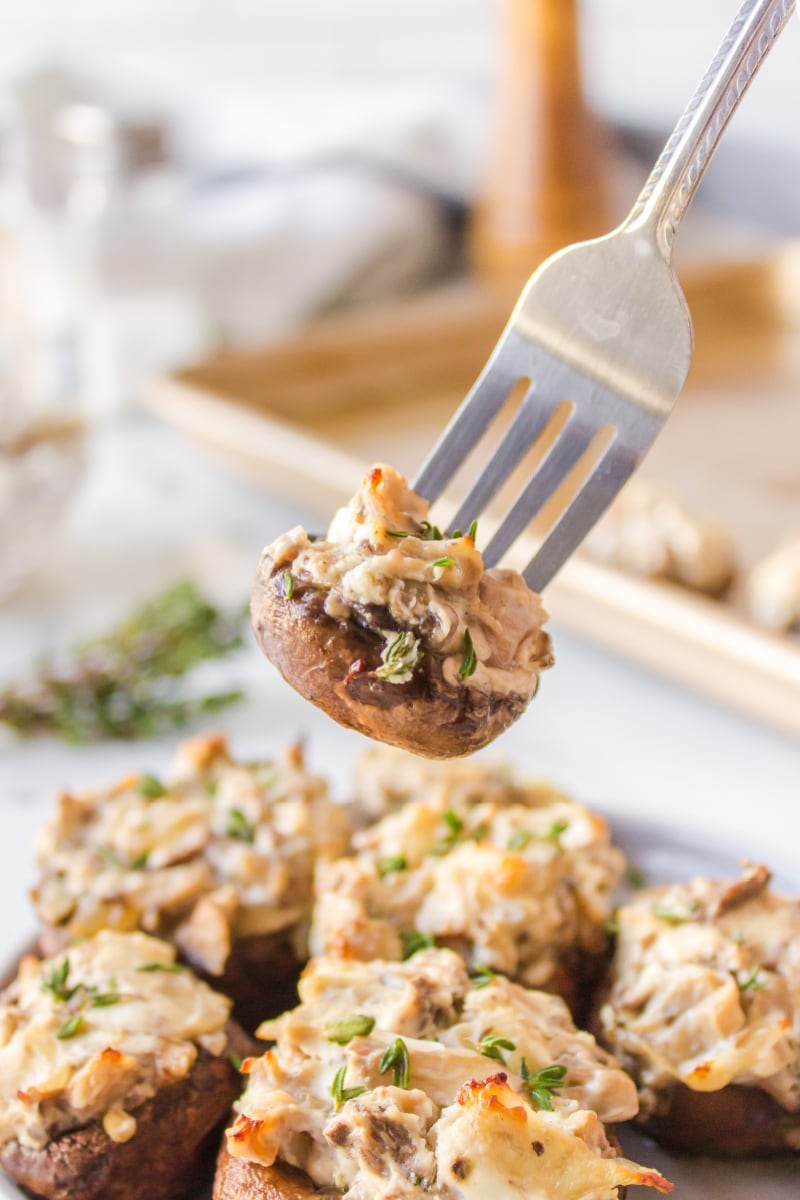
(673, 181)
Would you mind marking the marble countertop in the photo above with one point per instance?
(152, 509)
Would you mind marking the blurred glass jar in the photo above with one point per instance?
(42, 433)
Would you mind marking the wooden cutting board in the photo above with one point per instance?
(306, 418)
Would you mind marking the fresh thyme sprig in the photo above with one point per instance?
(125, 683)
(414, 940)
(340, 1093)
(396, 1057)
(399, 657)
(491, 1047)
(346, 1028)
(469, 663)
(541, 1085)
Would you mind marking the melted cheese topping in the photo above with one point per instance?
(95, 1038)
(707, 989)
(378, 555)
(462, 1125)
(648, 532)
(223, 851)
(511, 885)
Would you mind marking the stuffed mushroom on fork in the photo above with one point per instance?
(413, 1080)
(396, 629)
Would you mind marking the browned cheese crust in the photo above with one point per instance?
(238, 1179)
(332, 663)
(168, 1156)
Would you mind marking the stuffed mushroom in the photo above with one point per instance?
(396, 629)
(522, 883)
(414, 1080)
(704, 1011)
(116, 1067)
(218, 859)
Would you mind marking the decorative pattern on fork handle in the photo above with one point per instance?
(680, 166)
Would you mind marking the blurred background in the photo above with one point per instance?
(247, 247)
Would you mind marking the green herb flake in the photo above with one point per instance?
(555, 831)
(71, 1026)
(519, 840)
(211, 787)
(444, 562)
(56, 982)
(346, 1028)
(392, 863)
(169, 968)
(139, 862)
(635, 876)
(611, 926)
(105, 999)
(453, 821)
(492, 1047)
(151, 787)
(414, 940)
(239, 828)
(541, 1085)
(398, 533)
(472, 532)
(340, 1093)
(288, 584)
(754, 982)
(469, 663)
(399, 657)
(674, 914)
(236, 1061)
(430, 533)
(482, 976)
(396, 1057)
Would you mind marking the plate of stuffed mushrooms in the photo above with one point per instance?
(452, 981)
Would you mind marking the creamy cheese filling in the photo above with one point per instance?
(513, 885)
(93, 1033)
(382, 555)
(222, 850)
(411, 1079)
(707, 989)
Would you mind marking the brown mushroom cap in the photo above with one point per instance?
(332, 663)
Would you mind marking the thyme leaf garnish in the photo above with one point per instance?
(392, 863)
(754, 982)
(491, 1047)
(238, 827)
(541, 1085)
(346, 1028)
(470, 661)
(340, 1093)
(674, 914)
(288, 584)
(151, 787)
(401, 654)
(519, 840)
(482, 975)
(414, 940)
(396, 1057)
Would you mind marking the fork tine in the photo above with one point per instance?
(557, 462)
(487, 396)
(528, 425)
(594, 497)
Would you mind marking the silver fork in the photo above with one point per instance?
(604, 326)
